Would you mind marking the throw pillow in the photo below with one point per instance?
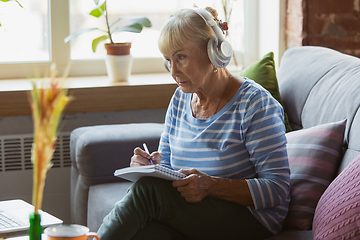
(314, 156)
(263, 72)
(337, 215)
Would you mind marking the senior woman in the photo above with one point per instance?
(226, 133)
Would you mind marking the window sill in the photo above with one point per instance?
(94, 94)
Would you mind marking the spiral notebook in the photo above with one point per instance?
(134, 173)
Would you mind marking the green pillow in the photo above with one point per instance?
(263, 72)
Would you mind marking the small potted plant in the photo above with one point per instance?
(118, 59)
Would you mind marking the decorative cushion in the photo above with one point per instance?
(263, 72)
(337, 215)
(314, 156)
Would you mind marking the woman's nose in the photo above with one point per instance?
(174, 70)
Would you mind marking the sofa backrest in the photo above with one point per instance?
(319, 85)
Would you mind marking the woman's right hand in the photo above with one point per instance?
(142, 158)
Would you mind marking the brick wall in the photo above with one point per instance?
(330, 23)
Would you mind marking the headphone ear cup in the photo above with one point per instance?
(211, 50)
(219, 56)
(166, 65)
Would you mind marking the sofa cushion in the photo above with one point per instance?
(319, 80)
(314, 157)
(337, 215)
(263, 72)
(102, 199)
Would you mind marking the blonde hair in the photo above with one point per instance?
(185, 27)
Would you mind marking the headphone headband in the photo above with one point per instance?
(209, 20)
(218, 48)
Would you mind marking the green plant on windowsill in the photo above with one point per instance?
(118, 59)
(130, 24)
(11, 1)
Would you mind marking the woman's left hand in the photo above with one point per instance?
(195, 187)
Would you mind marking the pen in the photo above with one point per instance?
(147, 150)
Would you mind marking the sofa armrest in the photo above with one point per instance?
(97, 151)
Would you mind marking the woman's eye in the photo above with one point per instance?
(181, 57)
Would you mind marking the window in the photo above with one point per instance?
(19, 23)
(145, 43)
(42, 25)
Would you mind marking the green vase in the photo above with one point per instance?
(36, 229)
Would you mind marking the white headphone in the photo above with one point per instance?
(219, 50)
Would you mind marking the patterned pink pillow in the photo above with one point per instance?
(314, 157)
(337, 215)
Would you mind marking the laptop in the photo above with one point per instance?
(14, 218)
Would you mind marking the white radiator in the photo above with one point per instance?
(16, 173)
(15, 152)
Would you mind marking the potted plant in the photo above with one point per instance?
(118, 59)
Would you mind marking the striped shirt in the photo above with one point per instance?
(244, 140)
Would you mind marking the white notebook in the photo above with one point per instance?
(156, 170)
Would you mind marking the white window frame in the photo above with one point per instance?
(60, 51)
(266, 31)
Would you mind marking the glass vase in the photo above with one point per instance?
(36, 229)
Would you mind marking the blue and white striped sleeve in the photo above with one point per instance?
(164, 145)
(266, 142)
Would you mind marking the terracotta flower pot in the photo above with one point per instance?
(118, 48)
(118, 61)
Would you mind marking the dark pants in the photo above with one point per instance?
(154, 209)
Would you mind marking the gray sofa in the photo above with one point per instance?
(317, 86)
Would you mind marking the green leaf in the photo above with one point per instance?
(19, 3)
(77, 33)
(134, 27)
(98, 10)
(96, 42)
(143, 21)
(96, 2)
(13, 0)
